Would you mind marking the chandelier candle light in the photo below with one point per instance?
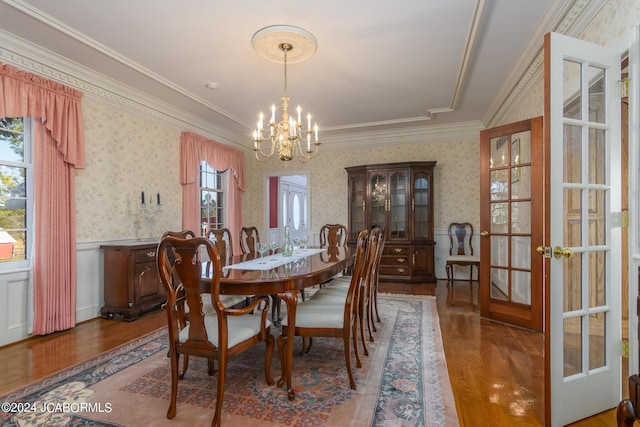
(287, 136)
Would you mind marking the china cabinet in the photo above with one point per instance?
(131, 281)
(399, 198)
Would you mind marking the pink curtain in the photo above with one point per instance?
(193, 150)
(58, 149)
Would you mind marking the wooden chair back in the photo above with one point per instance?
(333, 235)
(461, 250)
(369, 286)
(183, 257)
(249, 239)
(184, 234)
(460, 238)
(223, 242)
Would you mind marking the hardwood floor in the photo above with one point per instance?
(496, 371)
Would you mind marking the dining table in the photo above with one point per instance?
(286, 277)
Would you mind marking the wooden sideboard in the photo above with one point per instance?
(132, 284)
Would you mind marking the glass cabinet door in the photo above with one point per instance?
(378, 199)
(397, 205)
(421, 206)
(356, 205)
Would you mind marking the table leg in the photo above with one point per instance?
(291, 300)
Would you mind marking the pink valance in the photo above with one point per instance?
(24, 94)
(195, 148)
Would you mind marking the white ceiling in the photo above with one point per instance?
(380, 65)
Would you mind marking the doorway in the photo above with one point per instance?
(286, 204)
(511, 200)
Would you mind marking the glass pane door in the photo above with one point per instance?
(378, 199)
(357, 206)
(584, 236)
(511, 224)
(421, 202)
(398, 205)
(510, 257)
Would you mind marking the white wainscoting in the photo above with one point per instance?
(89, 272)
(14, 295)
(89, 292)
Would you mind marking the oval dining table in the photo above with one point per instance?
(286, 281)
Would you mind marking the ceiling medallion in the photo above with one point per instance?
(290, 45)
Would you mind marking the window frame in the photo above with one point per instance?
(27, 164)
(221, 209)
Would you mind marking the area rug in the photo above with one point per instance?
(403, 382)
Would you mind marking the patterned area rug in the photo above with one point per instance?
(403, 382)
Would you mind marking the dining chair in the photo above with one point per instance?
(333, 235)
(227, 300)
(339, 286)
(461, 250)
(331, 317)
(368, 302)
(249, 239)
(219, 336)
(223, 242)
(184, 234)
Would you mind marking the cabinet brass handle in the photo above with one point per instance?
(397, 250)
(401, 259)
(401, 270)
(151, 254)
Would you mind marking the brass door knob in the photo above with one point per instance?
(485, 234)
(559, 252)
(545, 251)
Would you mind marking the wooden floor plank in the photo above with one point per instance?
(496, 371)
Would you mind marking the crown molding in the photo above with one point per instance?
(35, 59)
(99, 47)
(405, 136)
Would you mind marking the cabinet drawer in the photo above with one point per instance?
(145, 255)
(396, 250)
(395, 270)
(399, 260)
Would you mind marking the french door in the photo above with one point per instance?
(294, 207)
(582, 241)
(511, 223)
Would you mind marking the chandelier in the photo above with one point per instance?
(288, 137)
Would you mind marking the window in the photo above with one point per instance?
(212, 198)
(16, 187)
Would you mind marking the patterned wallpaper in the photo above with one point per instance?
(125, 155)
(456, 180)
(612, 24)
(616, 19)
